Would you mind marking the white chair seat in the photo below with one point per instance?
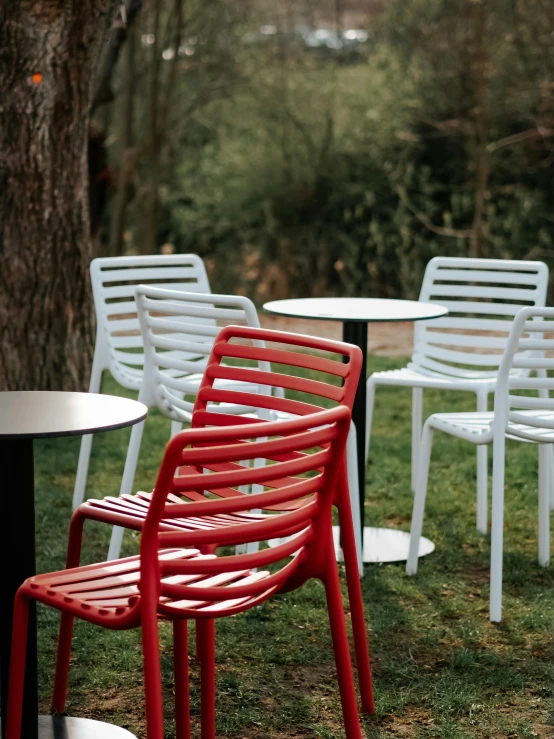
(411, 377)
(477, 427)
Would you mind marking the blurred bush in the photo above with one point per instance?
(311, 174)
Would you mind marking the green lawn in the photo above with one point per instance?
(440, 668)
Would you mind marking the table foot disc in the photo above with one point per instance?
(391, 545)
(68, 727)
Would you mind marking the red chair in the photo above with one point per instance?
(172, 579)
(285, 353)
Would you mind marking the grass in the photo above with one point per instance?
(441, 669)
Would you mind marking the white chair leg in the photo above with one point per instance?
(126, 485)
(497, 528)
(370, 402)
(419, 498)
(353, 489)
(417, 421)
(482, 473)
(176, 427)
(86, 443)
(551, 474)
(545, 458)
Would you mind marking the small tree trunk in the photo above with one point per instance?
(48, 56)
(115, 246)
(151, 226)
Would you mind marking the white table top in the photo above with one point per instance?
(364, 310)
(41, 414)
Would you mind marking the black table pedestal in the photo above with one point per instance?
(355, 332)
(17, 555)
(379, 544)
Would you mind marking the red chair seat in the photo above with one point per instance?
(109, 590)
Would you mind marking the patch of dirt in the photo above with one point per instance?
(384, 339)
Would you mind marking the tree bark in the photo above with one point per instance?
(128, 156)
(49, 51)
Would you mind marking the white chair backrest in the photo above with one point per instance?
(179, 330)
(529, 348)
(114, 280)
(482, 297)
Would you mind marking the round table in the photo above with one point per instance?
(379, 545)
(25, 416)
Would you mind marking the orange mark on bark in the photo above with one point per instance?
(37, 78)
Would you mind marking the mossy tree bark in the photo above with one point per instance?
(49, 50)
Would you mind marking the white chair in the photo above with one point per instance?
(119, 346)
(462, 350)
(176, 348)
(515, 416)
(178, 331)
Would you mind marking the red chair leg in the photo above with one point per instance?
(342, 654)
(75, 540)
(17, 667)
(207, 679)
(62, 663)
(355, 598)
(181, 673)
(152, 675)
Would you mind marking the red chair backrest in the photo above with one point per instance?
(332, 380)
(302, 458)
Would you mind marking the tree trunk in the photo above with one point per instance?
(128, 156)
(48, 55)
(150, 243)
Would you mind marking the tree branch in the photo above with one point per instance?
(457, 233)
(104, 93)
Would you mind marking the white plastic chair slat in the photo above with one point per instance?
(175, 407)
(490, 276)
(445, 263)
(183, 273)
(126, 342)
(200, 310)
(493, 309)
(121, 308)
(465, 323)
(123, 324)
(531, 383)
(150, 260)
(531, 403)
(472, 358)
(539, 326)
(128, 290)
(538, 344)
(533, 363)
(181, 384)
(175, 343)
(194, 363)
(470, 340)
(135, 359)
(483, 291)
(423, 361)
(194, 328)
(540, 420)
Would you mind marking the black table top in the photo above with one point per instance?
(43, 414)
(363, 310)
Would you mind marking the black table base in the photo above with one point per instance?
(67, 727)
(355, 332)
(17, 555)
